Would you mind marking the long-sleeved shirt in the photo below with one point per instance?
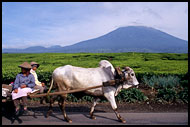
(29, 81)
(36, 77)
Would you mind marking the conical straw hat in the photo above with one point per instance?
(25, 65)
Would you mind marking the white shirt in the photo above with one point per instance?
(36, 77)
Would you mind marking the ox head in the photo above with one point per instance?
(130, 78)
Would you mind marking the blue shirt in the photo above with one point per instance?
(29, 81)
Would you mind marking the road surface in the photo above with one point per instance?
(82, 118)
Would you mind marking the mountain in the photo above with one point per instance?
(34, 49)
(124, 39)
(132, 39)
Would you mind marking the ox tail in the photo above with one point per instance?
(51, 85)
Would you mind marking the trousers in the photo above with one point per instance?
(17, 101)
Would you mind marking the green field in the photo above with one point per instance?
(142, 63)
(165, 73)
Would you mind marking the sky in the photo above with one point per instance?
(26, 24)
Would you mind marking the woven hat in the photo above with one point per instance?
(25, 65)
(34, 63)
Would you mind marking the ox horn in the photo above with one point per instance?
(127, 68)
(118, 70)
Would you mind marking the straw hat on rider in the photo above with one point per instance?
(25, 65)
(34, 63)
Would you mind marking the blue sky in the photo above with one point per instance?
(46, 24)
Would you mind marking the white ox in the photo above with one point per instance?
(70, 77)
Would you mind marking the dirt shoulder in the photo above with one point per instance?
(122, 107)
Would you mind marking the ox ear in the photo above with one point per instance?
(109, 68)
(127, 68)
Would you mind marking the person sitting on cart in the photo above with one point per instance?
(39, 85)
(23, 84)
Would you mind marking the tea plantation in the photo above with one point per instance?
(164, 72)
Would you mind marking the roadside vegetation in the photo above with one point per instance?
(165, 75)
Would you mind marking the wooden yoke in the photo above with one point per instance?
(111, 82)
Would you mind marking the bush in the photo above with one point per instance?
(159, 70)
(184, 83)
(159, 82)
(131, 95)
(72, 98)
(45, 77)
(183, 95)
(167, 94)
(87, 98)
(79, 97)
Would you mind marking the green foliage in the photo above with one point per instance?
(72, 98)
(45, 76)
(75, 98)
(183, 95)
(131, 95)
(184, 83)
(150, 63)
(159, 82)
(167, 94)
(87, 98)
(162, 71)
(169, 87)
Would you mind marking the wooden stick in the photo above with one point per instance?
(112, 82)
(64, 92)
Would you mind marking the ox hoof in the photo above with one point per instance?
(123, 121)
(93, 117)
(70, 121)
(49, 113)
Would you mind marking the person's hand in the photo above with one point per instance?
(23, 86)
(16, 90)
(43, 84)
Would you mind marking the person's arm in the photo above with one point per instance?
(31, 84)
(16, 82)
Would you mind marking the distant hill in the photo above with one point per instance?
(34, 49)
(123, 39)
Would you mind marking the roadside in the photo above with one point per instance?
(142, 107)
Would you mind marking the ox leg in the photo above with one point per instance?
(92, 108)
(62, 107)
(111, 98)
(119, 116)
(60, 102)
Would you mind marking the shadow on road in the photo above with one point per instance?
(8, 111)
(42, 111)
(98, 116)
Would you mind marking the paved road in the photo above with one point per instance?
(101, 119)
